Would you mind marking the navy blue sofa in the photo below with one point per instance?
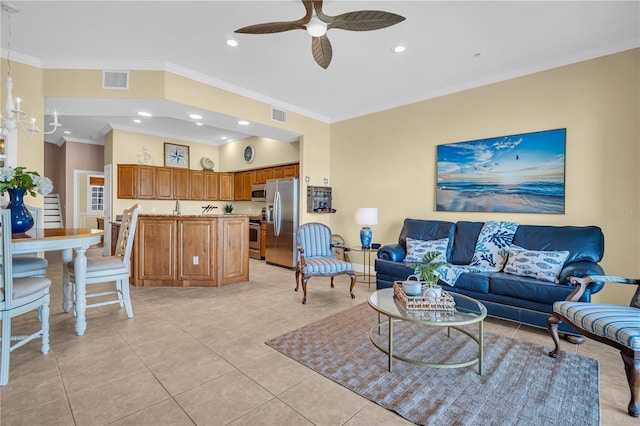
(520, 299)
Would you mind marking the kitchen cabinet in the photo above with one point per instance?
(278, 172)
(211, 186)
(181, 184)
(290, 170)
(242, 182)
(192, 251)
(196, 183)
(164, 183)
(225, 180)
(136, 181)
(263, 239)
(196, 252)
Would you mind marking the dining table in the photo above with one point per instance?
(73, 243)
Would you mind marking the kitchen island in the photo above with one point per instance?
(191, 250)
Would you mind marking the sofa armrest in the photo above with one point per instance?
(393, 252)
(582, 269)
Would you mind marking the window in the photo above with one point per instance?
(95, 195)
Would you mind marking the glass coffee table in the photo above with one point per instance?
(467, 311)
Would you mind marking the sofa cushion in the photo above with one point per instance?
(525, 288)
(416, 249)
(542, 265)
(464, 244)
(426, 230)
(582, 242)
(492, 248)
(478, 282)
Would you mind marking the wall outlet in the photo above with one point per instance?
(195, 260)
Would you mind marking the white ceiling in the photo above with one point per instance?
(451, 46)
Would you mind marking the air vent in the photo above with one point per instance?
(115, 80)
(278, 115)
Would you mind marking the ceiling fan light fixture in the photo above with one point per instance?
(316, 28)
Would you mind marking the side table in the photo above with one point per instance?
(366, 261)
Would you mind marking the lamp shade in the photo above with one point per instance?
(366, 216)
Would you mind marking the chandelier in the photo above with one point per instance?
(14, 116)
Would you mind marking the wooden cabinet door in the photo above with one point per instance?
(126, 181)
(238, 186)
(278, 172)
(146, 182)
(181, 188)
(247, 178)
(196, 182)
(233, 250)
(263, 239)
(197, 251)
(226, 186)
(290, 170)
(164, 183)
(258, 176)
(267, 174)
(211, 186)
(154, 251)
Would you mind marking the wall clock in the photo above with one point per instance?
(249, 153)
(176, 155)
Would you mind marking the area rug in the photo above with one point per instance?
(520, 384)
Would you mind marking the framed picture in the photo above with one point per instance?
(522, 173)
(176, 155)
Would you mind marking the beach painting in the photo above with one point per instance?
(512, 174)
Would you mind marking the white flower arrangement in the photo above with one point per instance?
(18, 178)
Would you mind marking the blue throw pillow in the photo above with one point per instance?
(492, 247)
(416, 249)
(541, 265)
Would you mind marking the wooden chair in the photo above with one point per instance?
(613, 325)
(316, 258)
(30, 265)
(19, 296)
(116, 268)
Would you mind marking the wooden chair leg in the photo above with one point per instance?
(353, 283)
(632, 368)
(304, 289)
(297, 278)
(552, 327)
(332, 286)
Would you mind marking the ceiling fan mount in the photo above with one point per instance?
(317, 23)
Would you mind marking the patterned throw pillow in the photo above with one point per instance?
(492, 247)
(416, 249)
(542, 265)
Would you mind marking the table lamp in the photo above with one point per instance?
(366, 216)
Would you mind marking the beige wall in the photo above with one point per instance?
(268, 152)
(388, 160)
(78, 156)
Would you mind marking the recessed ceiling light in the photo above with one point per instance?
(144, 114)
(198, 124)
(67, 132)
(195, 116)
(136, 120)
(243, 122)
(224, 138)
(231, 42)
(399, 48)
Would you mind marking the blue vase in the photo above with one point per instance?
(21, 219)
(365, 236)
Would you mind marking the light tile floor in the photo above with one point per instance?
(197, 356)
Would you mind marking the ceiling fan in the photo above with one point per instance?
(317, 23)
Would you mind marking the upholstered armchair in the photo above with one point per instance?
(316, 257)
(614, 325)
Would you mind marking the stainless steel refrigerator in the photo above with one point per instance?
(282, 221)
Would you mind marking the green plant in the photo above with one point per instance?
(425, 270)
(18, 178)
(228, 208)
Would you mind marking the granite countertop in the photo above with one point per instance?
(196, 215)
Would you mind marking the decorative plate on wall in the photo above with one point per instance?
(206, 163)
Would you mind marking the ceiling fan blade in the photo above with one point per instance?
(271, 27)
(278, 27)
(364, 20)
(322, 50)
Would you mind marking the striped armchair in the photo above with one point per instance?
(316, 258)
(614, 325)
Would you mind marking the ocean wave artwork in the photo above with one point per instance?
(522, 173)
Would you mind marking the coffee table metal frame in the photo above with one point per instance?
(382, 301)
